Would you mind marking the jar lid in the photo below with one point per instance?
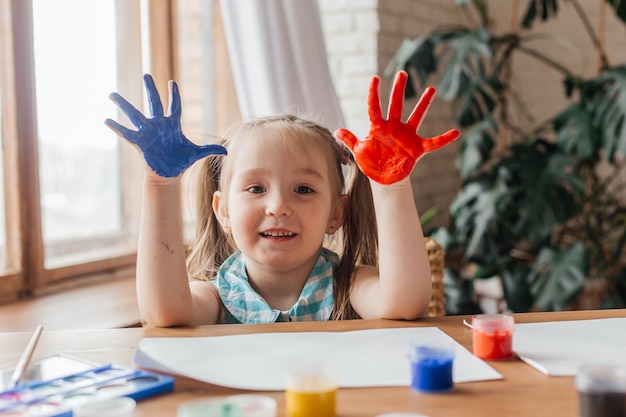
(489, 323)
(113, 407)
(601, 378)
(243, 405)
(432, 352)
(253, 405)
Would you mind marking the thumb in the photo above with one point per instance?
(440, 141)
(347, 137)
(206, 150)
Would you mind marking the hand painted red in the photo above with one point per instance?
(391, 149)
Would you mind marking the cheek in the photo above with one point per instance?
(243, 215)
(318, 215)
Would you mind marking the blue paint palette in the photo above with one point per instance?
(57, 396)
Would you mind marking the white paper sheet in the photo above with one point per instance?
(560, 348)
(362, 358)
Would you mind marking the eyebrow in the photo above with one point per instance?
(255, 172)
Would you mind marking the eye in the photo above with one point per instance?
(304, 189)
(255, 189)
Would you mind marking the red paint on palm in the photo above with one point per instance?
(391, 149)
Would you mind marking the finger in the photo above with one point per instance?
(129, 110)
(347, 137)
(175, 109)
(154, 100)
(129, 135)
(397, 96)
(440, 141)
(373, 100)
(417, 115)
(206, 150)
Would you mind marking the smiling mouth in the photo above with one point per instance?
(277, 235)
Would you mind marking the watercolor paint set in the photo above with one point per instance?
(57, 384)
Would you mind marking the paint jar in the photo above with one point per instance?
(113, 407)
(244, 405)
(431, 366)
(310, 390)
(253, 405)
(492, 336)
(207, 407)
(601, 391)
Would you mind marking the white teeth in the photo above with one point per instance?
(278, 234)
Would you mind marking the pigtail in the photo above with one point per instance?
(360, 241)
(210, 246)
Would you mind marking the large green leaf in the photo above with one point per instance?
(465, 55)
(575, 132)
(418, 54)
(558, 276)
(525, 197)
(478, 101)
(474, 210)
(475, 149)
(606, 101)
(543, 190)
(421, 55)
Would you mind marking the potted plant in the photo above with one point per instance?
(534, 210)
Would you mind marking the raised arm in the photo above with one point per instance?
(165, 296)
(401, 287)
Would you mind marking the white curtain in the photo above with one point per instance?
(277, 51)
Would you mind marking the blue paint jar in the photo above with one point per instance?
(431, 367)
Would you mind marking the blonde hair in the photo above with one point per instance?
(357, 237)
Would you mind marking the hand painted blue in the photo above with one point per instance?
(160, 138)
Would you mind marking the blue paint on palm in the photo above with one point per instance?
(160, 138)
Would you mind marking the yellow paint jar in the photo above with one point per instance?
(310, 391)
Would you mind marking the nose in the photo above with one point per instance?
(277, 204)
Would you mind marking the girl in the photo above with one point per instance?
(258, 255)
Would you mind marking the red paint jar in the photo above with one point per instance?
(492, 336)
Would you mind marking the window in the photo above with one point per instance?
(80, 172)
(70, 189)
(3, 240)
(3, 233)
(64, 206)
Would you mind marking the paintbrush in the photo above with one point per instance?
(24, 361)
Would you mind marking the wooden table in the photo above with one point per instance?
(523, 392)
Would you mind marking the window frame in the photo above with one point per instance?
(25, 273)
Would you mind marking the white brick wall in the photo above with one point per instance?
(363, 35)
(351, 29)
(361, 38)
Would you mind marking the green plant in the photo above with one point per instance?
(534, 209)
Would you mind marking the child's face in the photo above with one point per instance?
(280, 202)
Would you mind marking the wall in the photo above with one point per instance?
(361, 38)
(363, 35)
